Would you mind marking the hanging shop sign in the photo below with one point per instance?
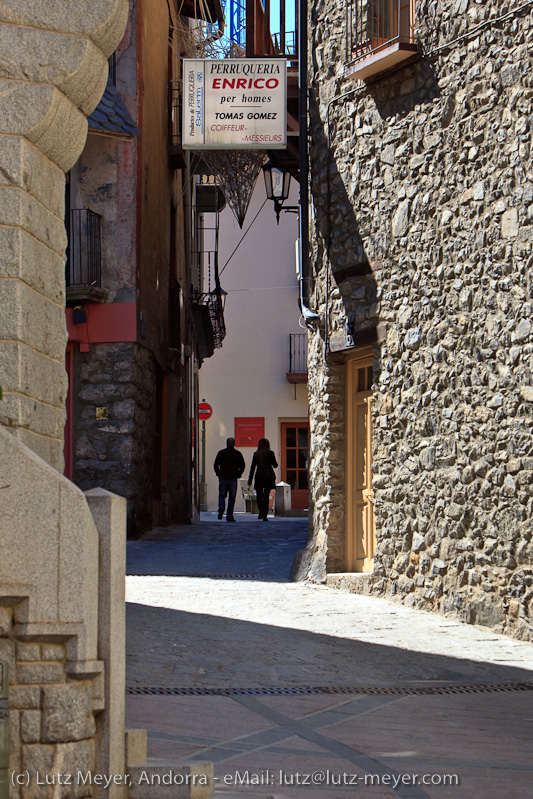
(234, 103)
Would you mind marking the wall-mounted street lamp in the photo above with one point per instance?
(219, 293)
(277, 184)
(213, 297)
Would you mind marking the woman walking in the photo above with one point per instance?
(263, 464)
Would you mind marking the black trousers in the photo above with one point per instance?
(263, 496)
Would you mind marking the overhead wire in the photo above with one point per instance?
(242, 237)
(361, 90)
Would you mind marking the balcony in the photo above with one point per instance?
(208, 319)
(380, 35)
(207, 306)
(215, 303)
(207, 296)
(286, 43)
(83, 271)
(297, 358)
(176, 155)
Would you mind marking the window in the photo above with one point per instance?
(380, 35)
(294, 461)
(84, 258)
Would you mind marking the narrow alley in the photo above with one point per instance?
(290, 687)
(298, 232)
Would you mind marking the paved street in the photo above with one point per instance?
(290, 688)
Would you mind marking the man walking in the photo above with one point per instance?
(229, 466)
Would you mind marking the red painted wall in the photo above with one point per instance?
(106, 323)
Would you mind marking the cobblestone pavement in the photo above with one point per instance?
(303, 688)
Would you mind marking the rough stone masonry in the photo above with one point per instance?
(116, 452)
(422, 191)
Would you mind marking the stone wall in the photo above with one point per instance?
(53, 73)
(103, 180)
(61, 607)
(51, 720)
(117, 452)
(62, 622)
(423, 201)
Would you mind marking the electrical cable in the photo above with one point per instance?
(242, 237)
(361, 90)
(481, 26)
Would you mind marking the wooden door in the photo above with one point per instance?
(360, 532)
(294, 461)
(391, 21)
(406, 20)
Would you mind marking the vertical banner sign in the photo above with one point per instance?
(193, 101)
(235, 103)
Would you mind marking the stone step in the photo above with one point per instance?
(294, 513)
(136, 747)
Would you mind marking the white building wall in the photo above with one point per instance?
(247, 376)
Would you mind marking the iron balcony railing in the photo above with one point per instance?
(286, 43)
(248, 23)
(298, 353)
(204, 267)
(373, 25)
(174, 113)
(84, 251)
(215, 303)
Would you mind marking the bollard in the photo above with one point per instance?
(283, 501)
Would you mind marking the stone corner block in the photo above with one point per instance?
(136, 747)
(67, 713)
(39, 673)
(100, 500)
(30, 727)
(103, 21)
(75, 758)
(109, 513)
(6, 620)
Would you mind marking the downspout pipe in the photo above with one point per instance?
(304, 277)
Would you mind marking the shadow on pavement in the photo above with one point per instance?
(181, 649)
(248, 549)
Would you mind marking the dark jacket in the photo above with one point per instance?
(229, 463)
(263, 464)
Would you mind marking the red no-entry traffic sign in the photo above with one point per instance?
(204, 411)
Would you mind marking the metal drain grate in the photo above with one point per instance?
(400, 690)
(241, 576)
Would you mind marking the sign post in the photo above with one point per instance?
(204, 412)
(234, 104)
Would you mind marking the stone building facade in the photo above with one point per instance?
(116, 452)
(53, 73)
(420, 372)
(61, 626)
(133, 360)
(62, 561)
